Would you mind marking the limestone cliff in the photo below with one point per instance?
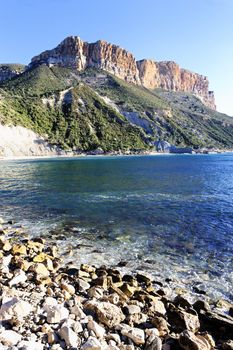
(169, 76)
(77, 54)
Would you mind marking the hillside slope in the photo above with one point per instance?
(93, 109)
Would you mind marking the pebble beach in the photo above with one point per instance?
(47, 303)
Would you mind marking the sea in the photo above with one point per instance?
(170, 216)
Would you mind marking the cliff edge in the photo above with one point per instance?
(79, 55)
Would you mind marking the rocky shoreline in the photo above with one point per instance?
(49, 304)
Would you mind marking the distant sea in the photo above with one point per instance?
(169, 215)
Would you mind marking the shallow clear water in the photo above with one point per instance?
(169, 215)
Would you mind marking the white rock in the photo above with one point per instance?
(133, 309)
(158, 306)
(153, 342)
(29, 345)
(69, 336)
(8, 337)
(96, 328)
(151, 332)
(5, 263)
(78, 312)
(20, 277)
(115, 337)
(56, 314)
(77, 327)
(137, 335)
(14, 307)
(107, 313)
(112, 345)
(49, 301)
(91, 344)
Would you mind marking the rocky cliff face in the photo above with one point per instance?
(9, 71)
(169, 76)
(77, 54)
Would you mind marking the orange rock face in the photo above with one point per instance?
(77, 54)
(74, 53)
(169, 76)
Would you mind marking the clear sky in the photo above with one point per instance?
(197, 34)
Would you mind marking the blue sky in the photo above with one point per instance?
(197, 34)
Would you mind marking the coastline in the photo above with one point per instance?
(113, 155)
(66, 306)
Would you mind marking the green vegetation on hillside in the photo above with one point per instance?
(72, 118)
(71, 110)
(13, 66)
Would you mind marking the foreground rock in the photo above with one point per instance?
(46, 304)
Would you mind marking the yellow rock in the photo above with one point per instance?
(24, 265)
(66, 294)
(7, 246)
(127, 289)
(35, 246)
(45, 281)
(68, 287)
(40, 257)
(87, 268)
(40, 269)
(19, 249)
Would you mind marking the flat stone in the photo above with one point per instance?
(190, 341)
(40, 257)
(133, 309)
(70, 337)
(95, 292)
(57, 314)
(96, 328)
(68, 287)
(180, 320)
(14, 307)
(87, 268)
(20, 277)
(137, 335)
(91, 344)
(9, 337)
(161, 324)
(157, 306)
(107, 313)
(78, 312)
(127, 289)
(29, 345)
(40, 269)
(7, 246)
(19, 249)
(153, 342)
(83, 285)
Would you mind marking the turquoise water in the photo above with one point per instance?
(169, 215)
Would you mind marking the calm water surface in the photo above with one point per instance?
(169, 215)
